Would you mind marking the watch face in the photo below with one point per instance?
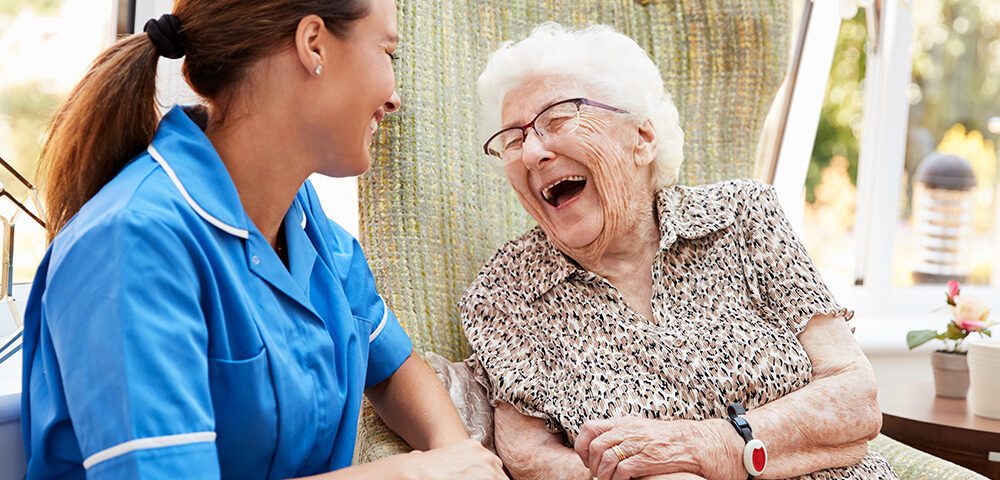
(755, 457)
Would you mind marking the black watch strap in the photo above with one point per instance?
(736, 412)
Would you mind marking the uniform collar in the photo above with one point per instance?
(530, 266)
(185, 153)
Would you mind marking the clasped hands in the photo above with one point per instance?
(631, 447)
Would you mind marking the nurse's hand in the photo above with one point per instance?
(466, 459)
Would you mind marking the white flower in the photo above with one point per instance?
(849, 8)
(970, 313)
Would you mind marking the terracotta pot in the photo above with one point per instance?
(951, 374)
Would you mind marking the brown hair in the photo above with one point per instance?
(111, 115)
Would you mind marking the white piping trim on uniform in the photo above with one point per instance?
(381, 325)
(239, 232)
(146, 444)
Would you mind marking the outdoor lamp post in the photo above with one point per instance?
(943, 213)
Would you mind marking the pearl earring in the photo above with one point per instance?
(319, 70)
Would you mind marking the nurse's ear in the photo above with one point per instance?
(308, 46)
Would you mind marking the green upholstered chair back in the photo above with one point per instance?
(433, 209)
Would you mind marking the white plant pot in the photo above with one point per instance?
(984, 374)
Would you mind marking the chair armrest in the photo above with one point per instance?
(912, 464)
(375, 440)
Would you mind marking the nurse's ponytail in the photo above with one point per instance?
(111, 115)
(108, 118)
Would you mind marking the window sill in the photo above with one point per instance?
(884, 316)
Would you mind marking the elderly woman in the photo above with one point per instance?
(623, 337)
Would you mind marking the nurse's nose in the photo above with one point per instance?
(534, 153)
(393, 104)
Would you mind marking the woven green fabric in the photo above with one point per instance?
(912, 464)
(433, 209)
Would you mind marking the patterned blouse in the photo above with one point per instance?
(732, 288)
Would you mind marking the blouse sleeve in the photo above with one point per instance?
(786, 286)
(498, 361)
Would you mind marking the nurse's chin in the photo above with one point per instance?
(347, 166)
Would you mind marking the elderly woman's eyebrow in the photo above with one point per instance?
(550, 102)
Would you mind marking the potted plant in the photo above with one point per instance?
(951, 370)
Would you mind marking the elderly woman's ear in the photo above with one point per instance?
(645, 143)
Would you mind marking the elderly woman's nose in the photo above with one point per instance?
(534, 153)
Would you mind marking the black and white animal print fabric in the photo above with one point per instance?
(733, 286)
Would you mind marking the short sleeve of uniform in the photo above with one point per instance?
(788, 287)
(388, 344)
(122, 309)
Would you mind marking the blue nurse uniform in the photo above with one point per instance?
(164, 338)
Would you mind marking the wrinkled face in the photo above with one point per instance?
(578, 186)
(360, 88)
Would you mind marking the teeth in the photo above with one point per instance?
(373, 125)
(547, 191)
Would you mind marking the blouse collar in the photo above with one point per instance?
(525, 269)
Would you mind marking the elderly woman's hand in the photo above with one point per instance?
(653, 447)
(674, 476)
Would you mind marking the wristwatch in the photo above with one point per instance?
(754, 453)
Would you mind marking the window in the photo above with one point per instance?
(923, 78)
(830, 194)
(46, 46)
(954, 91)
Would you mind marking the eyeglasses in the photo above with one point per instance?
(560, 118)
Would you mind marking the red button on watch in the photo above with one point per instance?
(754, 457)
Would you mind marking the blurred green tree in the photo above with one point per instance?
(41, 7)
(26, 108)
(840, 119)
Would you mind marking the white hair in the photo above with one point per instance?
(599, 57)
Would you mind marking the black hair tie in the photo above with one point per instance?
(166, 35)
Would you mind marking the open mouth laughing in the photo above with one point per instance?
(563, 190)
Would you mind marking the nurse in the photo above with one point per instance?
(197, 315)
